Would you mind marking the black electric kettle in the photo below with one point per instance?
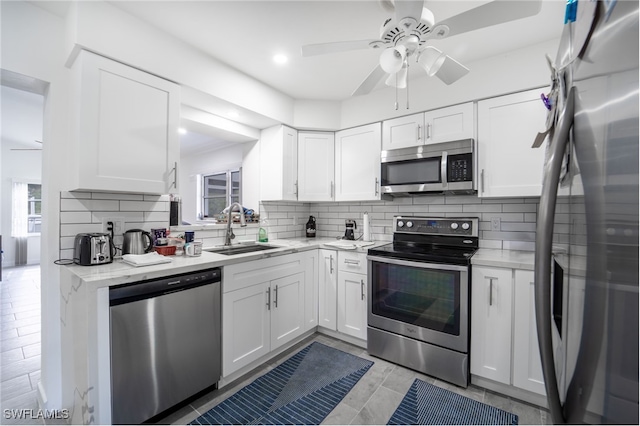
(134, 242)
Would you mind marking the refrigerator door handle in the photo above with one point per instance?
(544, 239)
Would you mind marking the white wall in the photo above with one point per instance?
(22, 115)
(32, 44)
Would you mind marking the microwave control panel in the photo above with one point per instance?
(460, 168)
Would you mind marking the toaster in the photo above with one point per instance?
(93, 249)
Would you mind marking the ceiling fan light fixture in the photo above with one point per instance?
(398, 79)
(431, 59)
(451, 70)
(392, 59)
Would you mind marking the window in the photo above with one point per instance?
(34, 217)
(26, 209)
(218, 191)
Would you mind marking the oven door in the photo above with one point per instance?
(423, 301)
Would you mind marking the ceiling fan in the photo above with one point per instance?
(28, 149)
(404, 37)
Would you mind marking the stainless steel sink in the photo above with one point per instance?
(240, 249)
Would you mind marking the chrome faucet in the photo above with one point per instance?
(229, 235)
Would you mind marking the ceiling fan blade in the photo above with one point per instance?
(408, 12)
(451, 70)
(338, 46)
(494, 13)
(370, 82)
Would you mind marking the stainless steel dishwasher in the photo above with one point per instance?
(165, 343)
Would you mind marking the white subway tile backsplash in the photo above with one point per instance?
(82, 212)
(145, 206)
(113, 196)
(75, 217)
(70, 230)
(445, 208)
(529, 208)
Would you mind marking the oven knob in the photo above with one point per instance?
(409, 224)
(400, 224)
(454, 225)
(465, 226)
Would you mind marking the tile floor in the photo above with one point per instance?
(372, 400)
(19, 340)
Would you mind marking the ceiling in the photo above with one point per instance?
(247, 34)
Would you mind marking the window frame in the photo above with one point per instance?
(202, 196)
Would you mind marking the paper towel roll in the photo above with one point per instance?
(366, 233)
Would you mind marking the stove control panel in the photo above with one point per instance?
(464, 226)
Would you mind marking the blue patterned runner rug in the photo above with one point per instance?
(302, 390)
(426, 404)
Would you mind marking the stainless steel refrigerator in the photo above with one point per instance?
(586, 256)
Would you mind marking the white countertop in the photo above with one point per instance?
(120, 272)
(504, 258)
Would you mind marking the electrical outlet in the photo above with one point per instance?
(118, 225)
(495, 223)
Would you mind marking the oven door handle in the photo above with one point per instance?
(423, 265)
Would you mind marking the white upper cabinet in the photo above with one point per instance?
(358, 163)
(126, 128)
(440, 125)
(449, 124)
(316, 166)
(507, 127)
(279, 164)
(403, 132)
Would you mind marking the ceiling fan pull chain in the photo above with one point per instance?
(407, 63)
(396, 103)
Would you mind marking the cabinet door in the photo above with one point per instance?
(327, 289)
(287, 309)
(491, 316)
(358, 163)
(279, 164)
(507, 126)
(527, 367)
(128, 128)
(311, 290)
(245, 327)
(290, 164)
(352, 304)
(316, 166)
(449, 124)
(403, 132)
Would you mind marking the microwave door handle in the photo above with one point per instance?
(443, 169)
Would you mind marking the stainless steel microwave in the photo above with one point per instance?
(446, 167)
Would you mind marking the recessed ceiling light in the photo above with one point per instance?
(182, 131)
(280, 58)
(234, 114)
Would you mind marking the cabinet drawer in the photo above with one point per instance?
(246, 274)
(352, 262)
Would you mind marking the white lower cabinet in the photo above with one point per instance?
(504, 342)
(527, 367)
(327, 289)
(352, 304)
(491, 316)
(263, 307)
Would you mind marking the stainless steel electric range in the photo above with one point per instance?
(419, 296)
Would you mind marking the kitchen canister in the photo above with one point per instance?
(366, 231)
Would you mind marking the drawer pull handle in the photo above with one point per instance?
(361, 289)
(352, 261)
(269, 298)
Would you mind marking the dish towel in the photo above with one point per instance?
(147, 259)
